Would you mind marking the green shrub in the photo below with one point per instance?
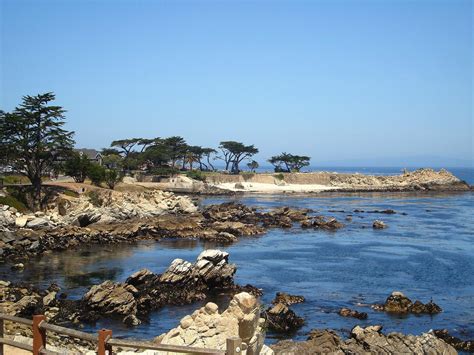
(112, 177)
(70, 193)
(15, 179)
(77, 165)
(22, 194)
(196, 175)
(279, 176)
(97, 174)
(95, 198)
(247, 175)
(13, 202)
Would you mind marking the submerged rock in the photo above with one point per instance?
(346, 312)
(327, 224)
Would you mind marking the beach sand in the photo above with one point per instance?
(263, 188)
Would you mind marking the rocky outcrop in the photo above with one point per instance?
(287, 299)
(207, 328)
(282, 319)
(319, 342)
(346, 312)
(23, 300)
(368, 340)
(110, 298)
(397, 302)
(322, 222)
(8, 215)
(418, 180)
(182, 283)
(458, 344)
(223, 223)
(379, 224)
(99, 205)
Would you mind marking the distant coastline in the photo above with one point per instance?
(308, 182)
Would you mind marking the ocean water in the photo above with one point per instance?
(427, 252)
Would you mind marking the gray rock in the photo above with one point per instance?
(85, 219)
(7, 237)
(50, 297)
(38, 223)
(368, 340)
(112, 298)
(35, 245)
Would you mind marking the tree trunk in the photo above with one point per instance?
(210, 164)
(36, 182)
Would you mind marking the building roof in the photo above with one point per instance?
(90, 153)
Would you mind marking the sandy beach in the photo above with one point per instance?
(266, 188)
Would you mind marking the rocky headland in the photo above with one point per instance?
(313, 182)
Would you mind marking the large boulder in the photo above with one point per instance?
(39, 222)
(282, 319)
(211, 267)
(112, 298)
(207, 328)
(323, 341)
(87, 218)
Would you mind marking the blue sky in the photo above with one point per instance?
(346, 82)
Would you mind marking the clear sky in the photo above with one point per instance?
(346, 82)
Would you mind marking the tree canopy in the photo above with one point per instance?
(288, 162)
(33, 140)
(234, 153)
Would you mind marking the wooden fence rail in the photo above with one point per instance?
(103, 339)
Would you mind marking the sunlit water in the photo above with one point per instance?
(427, 253)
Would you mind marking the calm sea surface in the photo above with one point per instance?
(427, 253)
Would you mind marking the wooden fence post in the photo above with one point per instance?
(1, 335)
(39, 335)
(104, 348)
(233, 346)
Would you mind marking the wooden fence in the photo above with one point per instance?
(103, 339)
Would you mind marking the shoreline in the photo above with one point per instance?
(225, 223)
(421, 180)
